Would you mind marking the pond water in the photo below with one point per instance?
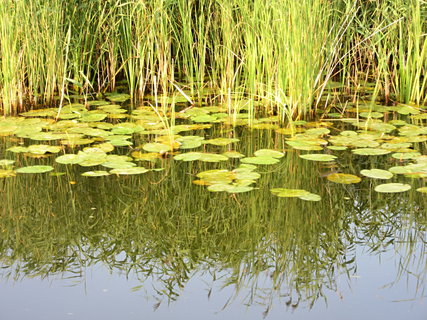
(105, 215)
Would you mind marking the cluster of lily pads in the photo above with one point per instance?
(85, 135)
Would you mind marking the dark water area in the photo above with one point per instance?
(158, 246)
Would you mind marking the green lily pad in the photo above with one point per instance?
(221, 141)
(92, 117)
(212, 157)
(405, 155)
(204, 118)
(370, 151)
(42, 149)
(118, 97)
(260, 160)
(269, 153)
(76, 142)
(129, 171)
(377, 174)
(17, 149)
(189, 156)
(375, 115)
(318, 157)
(337, 148)
(68, 159)
(343, 178)
(190, 142)
(289, 193)
(310, 197)
(98, 173)
(422, 190)
(304, 145)
(318, 131)
(118, 164)
(6, 162)
(233, 154)
(392, 187)
(34, 169)
(157, 147)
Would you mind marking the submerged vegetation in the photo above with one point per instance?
(280, 54)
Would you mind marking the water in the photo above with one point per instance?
(75, 247)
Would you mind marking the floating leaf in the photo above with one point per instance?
(68, 159)
(98, 173)
(422, 190)
(377, 174)
(337, 148)
(118, 97)
(6, 162)
(318, 157)
(392, 187)
(260, 160)
(189, 156)
(269, 153)
(233, 154)
(375, 115)
(310, 197)
(118, 164)
(42, 149)
(17, 149)
(343, 178)
(289, 193)
(34, 169)
(204, 118)
(129, 171)
(221, 141)
(92, 117)
(151, 156)
(370, 151)
(212, 157)
(157, 147)
(405, 155)
(4, 173)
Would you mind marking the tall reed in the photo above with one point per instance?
(279, 52)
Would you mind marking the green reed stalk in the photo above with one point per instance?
(278, 53)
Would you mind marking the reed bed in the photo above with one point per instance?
(279, 52)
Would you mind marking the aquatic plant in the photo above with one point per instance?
(278, 54)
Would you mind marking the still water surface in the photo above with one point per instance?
(157, 246)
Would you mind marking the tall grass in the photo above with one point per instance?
(281, 52)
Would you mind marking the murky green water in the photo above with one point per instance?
(111, 247)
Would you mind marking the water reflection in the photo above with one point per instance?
(162, 228)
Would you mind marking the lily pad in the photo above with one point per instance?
(289, 193)
(5, 173)
(422, 190)
(343, 178)
(233, 154)
(129, 171)
(310, 197)
(260, 160)
(377, 174)
(98, 173)
(392, 188)
(118, 97)
(370, 151)
(118, 164)
(318, 157)
(405, 155)
(6, 162)
(269, 153)
(35, 169)
(157, 147)
(68, 159)
(221, 141)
